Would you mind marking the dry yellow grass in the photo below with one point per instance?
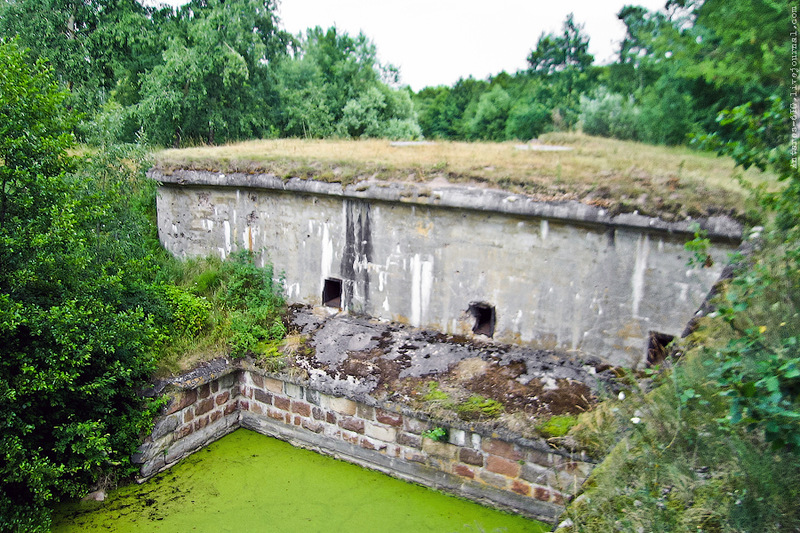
(672, 182)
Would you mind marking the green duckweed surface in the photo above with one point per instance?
(248, 482)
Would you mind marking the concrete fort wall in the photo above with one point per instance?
(509, 472)
(562, 276)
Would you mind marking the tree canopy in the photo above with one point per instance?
(213, 71)
(214, 83)
(76, 346)
(334, 86)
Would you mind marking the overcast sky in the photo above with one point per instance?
(435, 42)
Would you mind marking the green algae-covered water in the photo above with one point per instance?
(246, 482)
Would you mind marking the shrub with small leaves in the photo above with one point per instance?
(439, 434)
(610, 115)
(189, 312)
(255, 302)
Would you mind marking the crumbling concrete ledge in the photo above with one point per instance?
(455, 196)
(482, 463)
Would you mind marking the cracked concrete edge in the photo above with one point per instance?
(721, 228)
(206, 372)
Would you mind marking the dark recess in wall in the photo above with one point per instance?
(332, 293)
(484, 315)
(657, 351)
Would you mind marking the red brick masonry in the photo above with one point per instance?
(478, 460)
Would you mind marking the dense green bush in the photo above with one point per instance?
(255, 302)
(527, 120)
(76, 345)
(759, 368)
(491, 114)
(379, 112)
(610, 115)
(190, 313)
(220, 308)
(666, 114)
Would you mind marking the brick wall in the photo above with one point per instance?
(517, 474)
(196, 415)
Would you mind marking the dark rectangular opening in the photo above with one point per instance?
(657, 351)
(484, 316)
(332, 293)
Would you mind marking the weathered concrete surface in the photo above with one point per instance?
(565, 276)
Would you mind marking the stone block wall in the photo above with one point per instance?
(195, 417)
(520, 475)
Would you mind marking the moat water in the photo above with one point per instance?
(248, 482)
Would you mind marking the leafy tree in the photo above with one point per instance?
(437, 112)
(532, 102)
(636, 67)
(94, 46)
(667, 113)
(442, 110)
(215, 83)
(305, 109)
(564, 61)
(741, 44)
(686, 65)
(610, 115)
(347, 66)
(731, 405)
(379, 112)
(329, 69)
(491, 114)
(527, 120)
(558, 53)
(361, 116)
(335, 85)
(76, 346)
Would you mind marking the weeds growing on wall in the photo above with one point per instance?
(437, 433)
(232, 307)
(557, 425)
(473, 407)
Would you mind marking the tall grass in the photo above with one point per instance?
(221, 308)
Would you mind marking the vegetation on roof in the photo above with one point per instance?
(624, 176)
